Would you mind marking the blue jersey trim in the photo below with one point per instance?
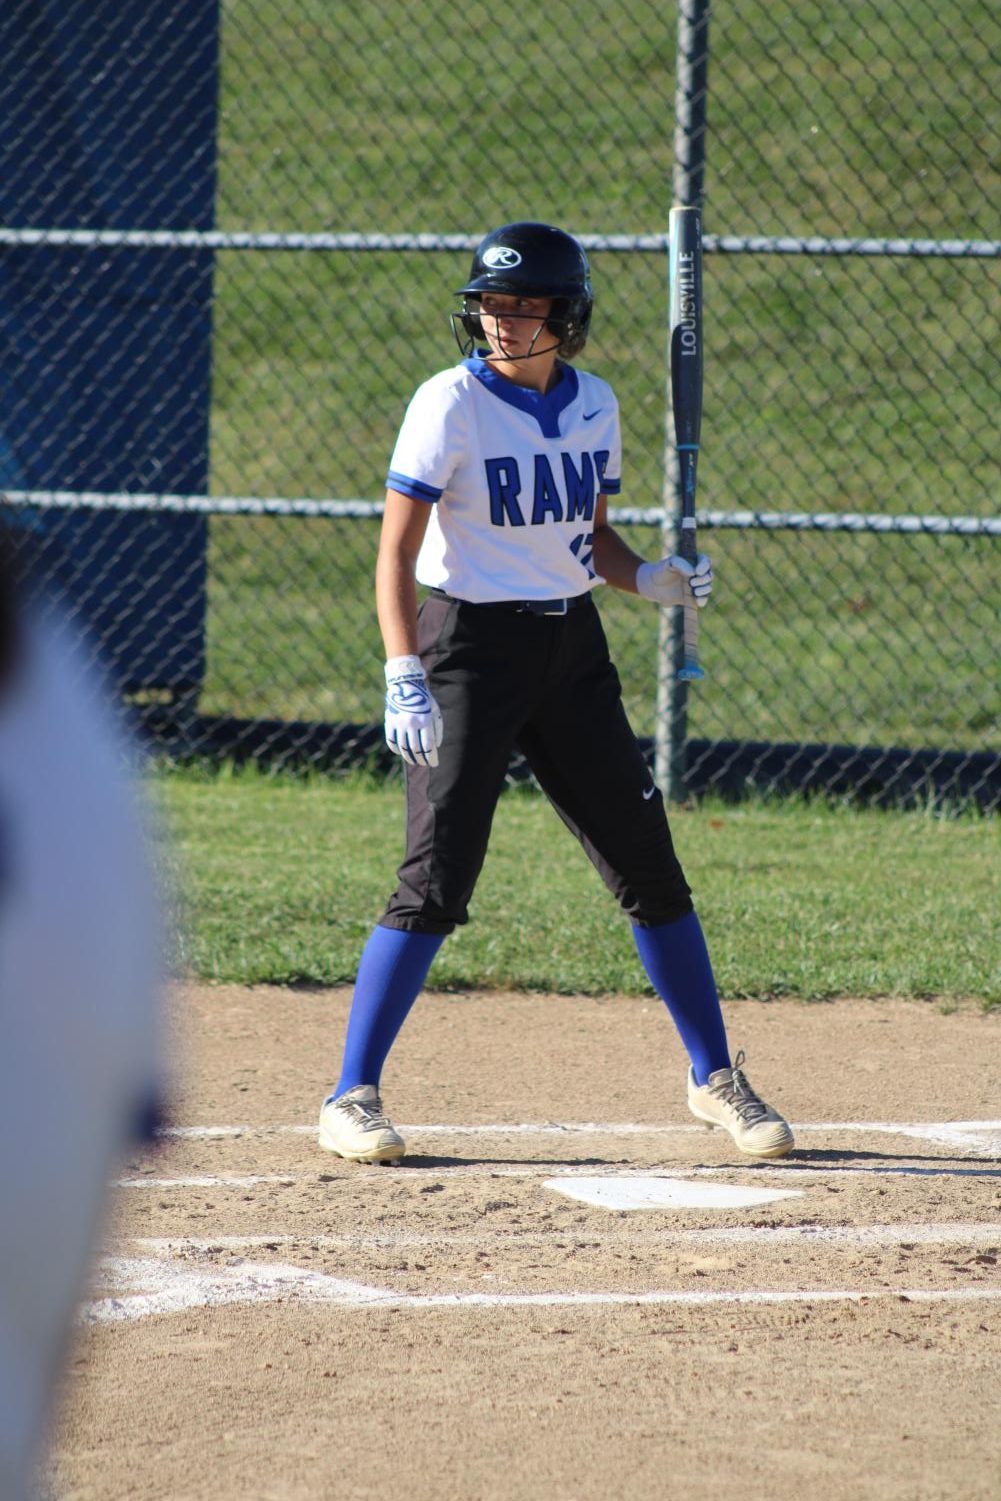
(610, 486)
(415, 488)
(544, 406)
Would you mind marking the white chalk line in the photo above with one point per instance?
(541, 1128)
(145, 1287)
(413, 1172)
(958, 1233)
(978, 1135)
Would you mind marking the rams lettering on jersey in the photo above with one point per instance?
(566, 499)
(512, 475)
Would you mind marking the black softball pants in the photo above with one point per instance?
(546, 686)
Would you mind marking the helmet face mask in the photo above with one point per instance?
(530, 260)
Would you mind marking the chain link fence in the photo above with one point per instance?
(229, 238)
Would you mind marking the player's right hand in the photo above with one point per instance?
(413, 719)
(673, 581)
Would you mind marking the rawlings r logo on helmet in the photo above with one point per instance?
(501, 258)
(529, 259)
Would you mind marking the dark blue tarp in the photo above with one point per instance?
(109, 111)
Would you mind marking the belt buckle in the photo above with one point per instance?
(563, 607)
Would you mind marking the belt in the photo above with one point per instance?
(523, 606)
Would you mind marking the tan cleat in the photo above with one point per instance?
(355, 1126)
(728, 1100)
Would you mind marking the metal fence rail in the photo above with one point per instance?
(217, 239)
(846, 725)
(625, 516)
(226, 260)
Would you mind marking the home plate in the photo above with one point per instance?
(665, 1193)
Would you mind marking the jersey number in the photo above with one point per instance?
(581, 549)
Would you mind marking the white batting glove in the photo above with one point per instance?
(674, 581)
(413, 719)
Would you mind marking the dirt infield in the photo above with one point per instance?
(270, 1323)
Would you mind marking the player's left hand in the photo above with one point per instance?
(675, 581)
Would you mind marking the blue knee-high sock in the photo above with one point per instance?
(676, 960)
(391, 974)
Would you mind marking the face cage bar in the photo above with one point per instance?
(471, 323)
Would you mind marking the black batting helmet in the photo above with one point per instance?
(533, 260)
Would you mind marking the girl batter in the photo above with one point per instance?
(497, 502)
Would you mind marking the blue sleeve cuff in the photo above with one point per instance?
(415, 488)
(611, 486)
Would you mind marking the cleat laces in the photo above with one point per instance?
(736, 1092)
(367, 1114)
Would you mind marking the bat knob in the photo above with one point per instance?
(690, 675)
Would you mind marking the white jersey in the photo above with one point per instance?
(79, 979)
(513, 476)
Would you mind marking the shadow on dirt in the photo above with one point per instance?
(414, 1159)
(824, 1159)
(804, 1160)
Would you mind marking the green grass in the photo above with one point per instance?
(857, 641)
(386, 117)
(442, 116)
(281, 880)
(831, 385)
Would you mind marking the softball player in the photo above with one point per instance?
(80, 1065)
(497, 503)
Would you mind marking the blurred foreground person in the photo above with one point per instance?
(79, 967)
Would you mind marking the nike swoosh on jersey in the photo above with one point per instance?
(589, 415)
(648, 793)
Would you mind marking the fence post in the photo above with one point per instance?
(688, 187)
